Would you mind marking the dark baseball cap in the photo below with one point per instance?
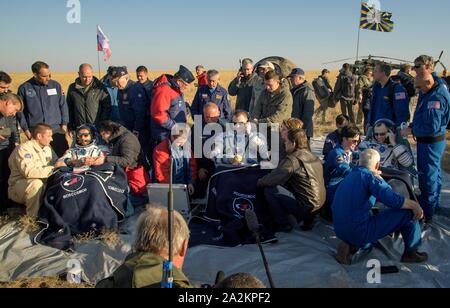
(297, 72)
(118, 72)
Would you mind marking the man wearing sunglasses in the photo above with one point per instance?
(429, 128)
(85, 147)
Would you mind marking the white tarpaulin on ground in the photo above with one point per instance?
(298, 260)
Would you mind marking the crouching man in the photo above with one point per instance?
(144, 267)
(297, 186)
(356, 226)
(31, 165)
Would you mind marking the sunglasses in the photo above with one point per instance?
(417, 66)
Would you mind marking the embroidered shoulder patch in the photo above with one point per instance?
(28, 156)
(401, 95)
(434, 105)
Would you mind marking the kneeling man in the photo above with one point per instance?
(353, 220)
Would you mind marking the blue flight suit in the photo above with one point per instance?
(338, 165)
(352, 217)
(331, 142)
(113, 93)
(429, 127)
(382, 107)
(43, 104)
(206, 95)
(134, 111)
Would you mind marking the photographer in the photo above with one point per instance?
(242, 85)
(384, 141)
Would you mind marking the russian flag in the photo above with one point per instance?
(103, 44)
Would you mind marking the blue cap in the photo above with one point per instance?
(297, 72)
(118, 72)
(185, 74)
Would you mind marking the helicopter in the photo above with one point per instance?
(371, 61)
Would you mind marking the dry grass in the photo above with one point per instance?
(28, 224)
(42, 283)
(110, 238)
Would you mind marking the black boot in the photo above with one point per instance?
(414, 257)
(345, 253)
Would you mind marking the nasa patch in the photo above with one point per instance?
(28, 156)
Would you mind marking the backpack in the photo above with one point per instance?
(407, 82)
(320, 89)
(347, 86)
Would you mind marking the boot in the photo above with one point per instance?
(345, 253)
(414, 257)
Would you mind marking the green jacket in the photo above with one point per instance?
(274, 107)
(363, 83)
(142, 270)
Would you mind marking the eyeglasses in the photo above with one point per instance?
(355, 141)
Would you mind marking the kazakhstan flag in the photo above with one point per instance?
(375, 20)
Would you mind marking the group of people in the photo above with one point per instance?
(143, 127)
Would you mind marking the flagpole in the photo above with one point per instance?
(359, 32)
(99, 70)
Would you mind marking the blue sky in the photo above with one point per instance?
(164, 34)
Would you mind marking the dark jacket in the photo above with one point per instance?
(125, 149)
(345, 86)
(143, 270)
(134, 110)
(274, 107)
(243, 89)
(219, 97)
(9, 123)
(168, 107)
(303, 107)
(43, 104)
(302, 174)
(89, 105)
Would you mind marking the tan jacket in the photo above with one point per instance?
(30, 161)
(274, 107)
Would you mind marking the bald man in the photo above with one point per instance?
(88, 99)
(357, 227)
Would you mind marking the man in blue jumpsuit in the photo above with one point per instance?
(133, 105)
(214, 93)
(113, 93)
(429, 127)
(332, 140)
(390, 100)
(44, 102)
(354, 222)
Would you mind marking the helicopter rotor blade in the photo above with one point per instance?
(388, 58)
(337, 61)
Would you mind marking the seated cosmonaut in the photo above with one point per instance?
(84, 147)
